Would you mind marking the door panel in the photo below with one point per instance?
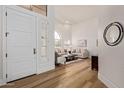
(20, 44)
(42, 45)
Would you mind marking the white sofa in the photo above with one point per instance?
(81, 53)
(60, 54)
(84, 54)
(61, 60)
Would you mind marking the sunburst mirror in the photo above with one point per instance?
(113, 34)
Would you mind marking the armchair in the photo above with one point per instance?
(59, 59)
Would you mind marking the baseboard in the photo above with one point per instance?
(106, 81)
(48, 68)
(2, 82)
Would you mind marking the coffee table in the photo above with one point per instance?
(70, 57)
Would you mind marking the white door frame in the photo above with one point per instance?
(4, 49)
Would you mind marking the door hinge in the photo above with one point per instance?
(6, 75)
(34, 50)
(6, 34)
(6, 55)
(6, 13)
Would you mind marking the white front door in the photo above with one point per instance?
(20, 44)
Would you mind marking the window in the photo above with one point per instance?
(57, 39)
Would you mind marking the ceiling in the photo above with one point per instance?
(73, 14)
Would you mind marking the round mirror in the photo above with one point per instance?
(113, 33)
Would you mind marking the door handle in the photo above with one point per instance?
(7, 33)
(34, 51)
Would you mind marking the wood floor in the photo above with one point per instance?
(73, 75)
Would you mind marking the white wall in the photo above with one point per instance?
(111, 59)
(59, 29)
(86, 30)
(65, 33)
(51, 29)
